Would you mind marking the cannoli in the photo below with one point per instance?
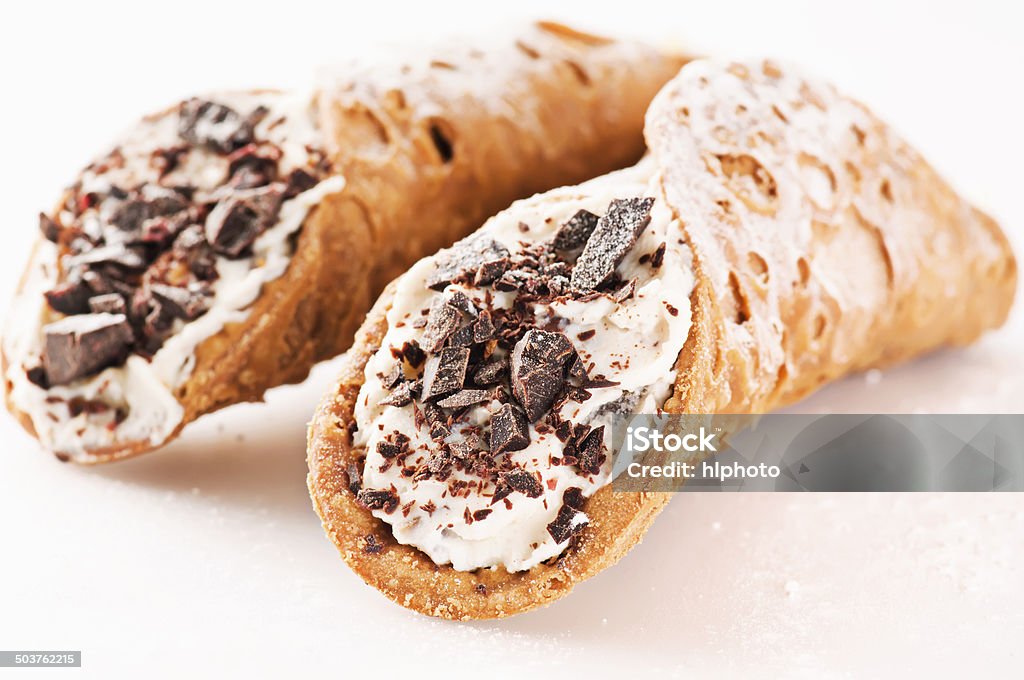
(777, 237)
(227, 244)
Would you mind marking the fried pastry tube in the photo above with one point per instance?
(777, 237)
(227, 244)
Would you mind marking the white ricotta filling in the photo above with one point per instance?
(635, 343)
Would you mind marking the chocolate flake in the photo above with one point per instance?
(445, 372)
(575, 232)
(84, 344)
(509, 430)
(614, 236)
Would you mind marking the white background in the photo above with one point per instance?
(206, 557)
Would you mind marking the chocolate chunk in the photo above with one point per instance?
(591, 452)
(85, 344)
(509, 430)
(491, 372)
(573, 497)
(615, 234)
(70, 297)
(251, 167)
(215, 126)
(463, 337)
(392, 377)
(522, 481)
(575, 232)
(538, 370)
(459, 301)
(393, 445)
(192, 247)
(119, 255)
(441, 323)
(445, 372)
(488, 272)
(180, 303)
(112, 303)
(483, 328)
(465, 257)
(413, 353)
(37, 376)
(299, 181)
(569, 522)
(378, 499)
(49, 228)
(463, 450)
(577, 370)
(464, 398)
(238, 220)
(439, 463)
(401, 395)
(518, 279)
(129, 215)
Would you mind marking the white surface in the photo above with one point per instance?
(207, 556)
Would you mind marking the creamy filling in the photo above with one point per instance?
(628, 347)
(133, 399)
